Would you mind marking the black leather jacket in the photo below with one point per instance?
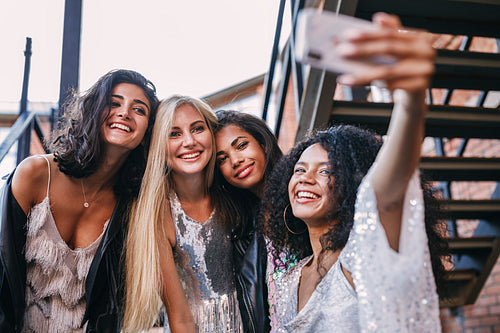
(103, 287)
(250, 261)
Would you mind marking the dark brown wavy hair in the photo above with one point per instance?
(242, 204)
(76, 143)
(351, 152)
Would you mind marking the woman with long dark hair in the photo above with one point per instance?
(64, 213)
(247, 151)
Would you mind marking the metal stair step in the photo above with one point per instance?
(441, 121)
(488, 209)
(464, 17)
(441, 168)
(471, 245)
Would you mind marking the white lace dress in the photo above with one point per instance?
(395, 291)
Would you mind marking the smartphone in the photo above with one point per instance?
(317, 34)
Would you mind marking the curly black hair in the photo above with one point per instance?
(76, 143)
(351, 152)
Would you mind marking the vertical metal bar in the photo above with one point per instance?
(268, 84)
(297, 75)
(70, 50)
(23, 144)
(283, 89)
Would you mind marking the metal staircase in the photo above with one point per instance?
(474, 256)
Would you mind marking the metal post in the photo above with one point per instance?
(23, 144)
(70, 62)
(268, 85)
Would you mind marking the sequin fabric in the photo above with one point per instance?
(203, 255)
(395, 291)
(275, 270)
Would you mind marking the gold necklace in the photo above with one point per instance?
(86, 203)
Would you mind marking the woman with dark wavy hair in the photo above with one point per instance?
(352, 209)
(247, 151)
(64, 213)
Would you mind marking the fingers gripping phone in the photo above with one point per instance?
(319, 32)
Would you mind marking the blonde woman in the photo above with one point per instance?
(178, 216)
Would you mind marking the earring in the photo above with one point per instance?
(286, 224)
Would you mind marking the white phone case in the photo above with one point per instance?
(318, 32)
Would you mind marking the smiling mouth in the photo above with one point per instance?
(120, 126)
(189, 156)
(245, 172)
(307, 195)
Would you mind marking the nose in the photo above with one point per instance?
(188, 139)
(306, 177)
(236, 160)
(123, 112)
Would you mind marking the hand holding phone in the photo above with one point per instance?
(318, 33)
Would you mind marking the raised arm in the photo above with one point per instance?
(408, 78)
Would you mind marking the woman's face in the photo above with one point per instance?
(241, 159)
(127, 120)
(308, 189)
(189, 142)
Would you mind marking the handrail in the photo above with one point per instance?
(25, 121)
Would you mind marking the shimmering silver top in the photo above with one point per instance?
(203, 256)
(395, 291)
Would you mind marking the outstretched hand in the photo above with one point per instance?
(411, 49)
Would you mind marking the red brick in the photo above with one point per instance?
(494, 310)
(489, 320)
(493, 289)
(478, 311)
(471, 322)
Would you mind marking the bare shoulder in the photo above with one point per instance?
(29, 182)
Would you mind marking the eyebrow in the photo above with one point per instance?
(305, 163)
(193, 124)
(236, 140)
(135, 100)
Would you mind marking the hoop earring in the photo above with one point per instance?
(286, 224)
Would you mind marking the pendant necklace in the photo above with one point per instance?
(86, 203)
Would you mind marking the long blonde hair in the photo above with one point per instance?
(148, 217)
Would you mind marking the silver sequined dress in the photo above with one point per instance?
(203, 255)
(395, 291)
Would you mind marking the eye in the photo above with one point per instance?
(242, 145)
(198, 129)
(324, 172)
(221, 159)
(140, 110)
(174, 134)
(298, 170)
(115, 104)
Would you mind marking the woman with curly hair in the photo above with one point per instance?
(64, 213)
(351, 209)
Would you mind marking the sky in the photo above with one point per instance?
(192, 47)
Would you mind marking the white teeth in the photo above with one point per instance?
(303, 194)
(243, 171)
(120, 126)
(193, 155)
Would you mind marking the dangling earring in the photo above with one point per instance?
(286, 224)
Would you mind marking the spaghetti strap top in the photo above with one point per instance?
(56, 274)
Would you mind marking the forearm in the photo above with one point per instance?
(401, 151)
